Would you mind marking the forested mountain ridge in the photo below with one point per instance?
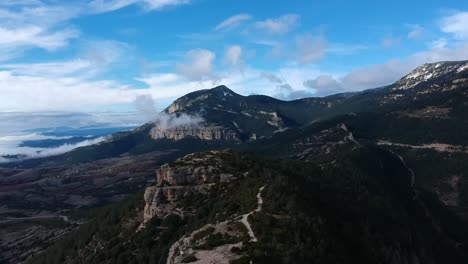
(374, 176)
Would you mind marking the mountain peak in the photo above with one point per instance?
(222, 90)
(433, 71)
(198, 98)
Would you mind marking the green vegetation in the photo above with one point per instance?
(361, 209)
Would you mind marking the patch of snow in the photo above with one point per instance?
(460, 80)
(414, 75)
(427, 77)
(246, 114)
(462, 68)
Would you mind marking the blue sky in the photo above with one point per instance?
(99, 56)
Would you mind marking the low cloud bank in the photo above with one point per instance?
(34, 136)
(26, 153)
(169, 121)
(146, 105)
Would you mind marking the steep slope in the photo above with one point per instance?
(434, 148)
(231, 208)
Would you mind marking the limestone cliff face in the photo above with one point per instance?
(188, 175)
(174, 107)
(192, 173)
(159, 200)
(205, 132)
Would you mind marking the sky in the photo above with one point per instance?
(100, 55)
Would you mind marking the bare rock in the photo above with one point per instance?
(205, 132)
(192, 173)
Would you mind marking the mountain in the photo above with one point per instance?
(373, 176)
(243, 118)
(228, 116)
(221, 117)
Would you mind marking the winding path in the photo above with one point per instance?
(245, 217)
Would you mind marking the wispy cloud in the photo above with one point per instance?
(28, 24)
(234, 57)
(456, 24)
(34, 24)
(416, 31)
(310, 48)
(324, 85)
(198, 65)
(280, 25)
(233, 22)
(101, 6)
(97, 57)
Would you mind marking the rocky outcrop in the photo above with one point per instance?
(160, 200)
(205, 132)
(189, 246)
(192, 173)
(169, 175)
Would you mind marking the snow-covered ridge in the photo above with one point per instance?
(429, 71)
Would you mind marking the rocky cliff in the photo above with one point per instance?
(208, 132)
(192, 173)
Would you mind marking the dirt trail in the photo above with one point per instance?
(245, 217)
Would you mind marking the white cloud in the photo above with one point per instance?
(28, 24)
(36, 93)
(28, 137)
(198, 65)
(35, 36)
(33, 24)
(324, 84)
(159, 4)
(97, 57)
(416, 31)
(284, 87)
(104, 53)
(310, 48)
(278, 26)
(233, 57)
(439, 43)
(48, 68)
(272, 78)
(384, 74)
(12, 122)
(168, 86)
(32, 153)
(146, 105)
(375, 76)
(456, 24)
(101, 6)
(233, 22)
